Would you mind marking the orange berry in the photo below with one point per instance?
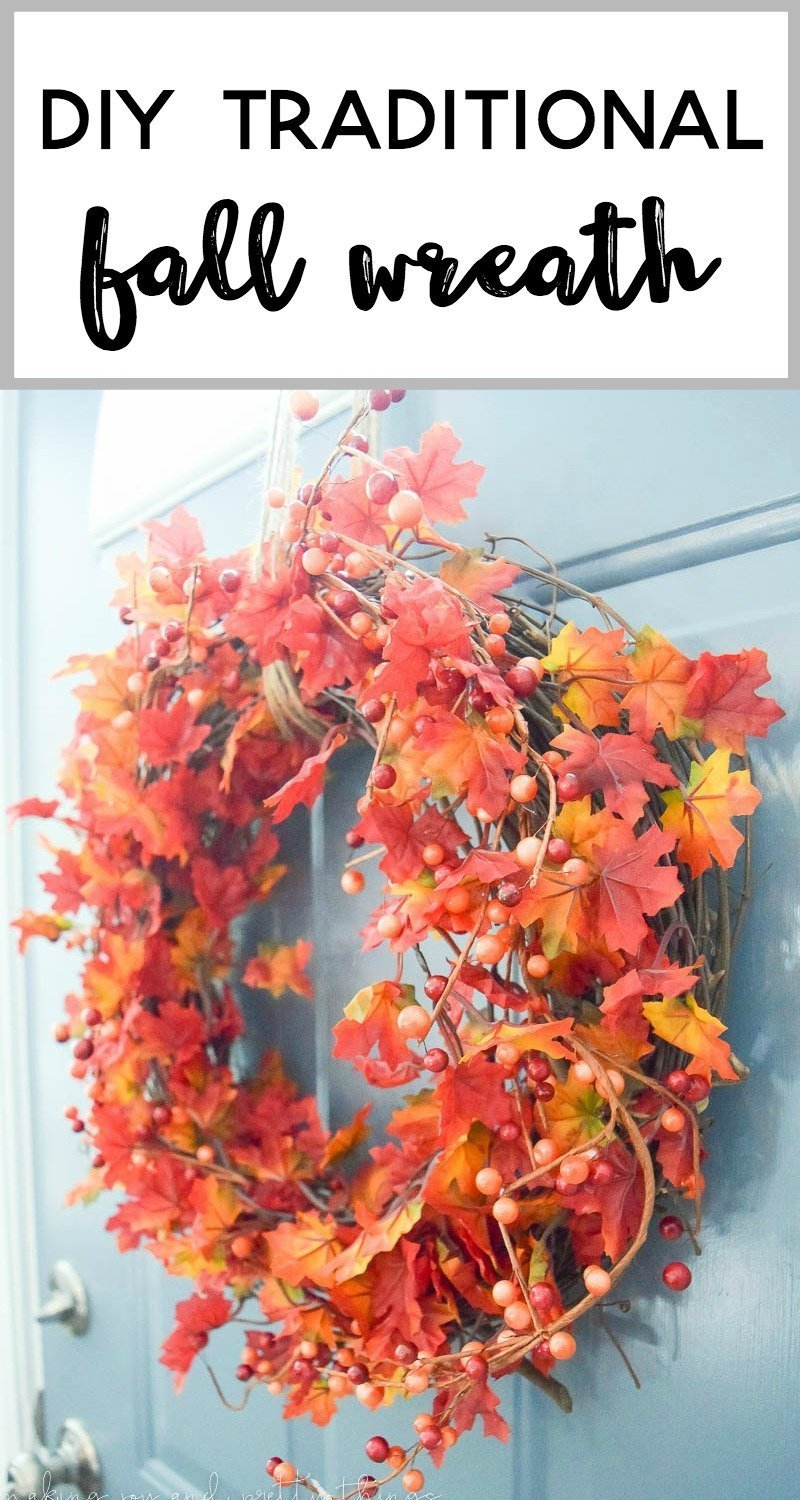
(276, 498)
(545, 1151)
(338, 1384)
(574, 1170)
(356, 565)
(423, 1420)
(523, 788)
(597, 1281)
(562, 1344)
(369, 1395)
(352, 882)
(205, 1154)
(537, 966)
(489, 949)
(241, 1246)
(396, 1457)
(315, 561)
(406, 509)
(495, 646)
(432, 855)
(413, 1022)
(583, 1072)
(507, 1054)
(575, 871)
(416, 1381)
(617, 1082)
(673, 1120)
(488, 1181)
(504, 1293)
(458, 901)
(413, 1481)
(389, 924)
(304, 405)
(496, 912)
(506, 1210)
(527, 852)
(449, 1436)
(500, 720)
(518, 1317)
(499, 623)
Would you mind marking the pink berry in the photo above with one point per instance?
(396, 394)
(379, 400)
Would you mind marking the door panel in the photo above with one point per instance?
(577, 471)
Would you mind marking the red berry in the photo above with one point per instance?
(359, 443)
(78, 1126)
(396, 394)
(151, 661)
(384, 776)
(431, 1437)
(353, 839)
(373, 710)
(538, 1070)
(670, 1227)
(676, 1276)
(172, 630)
(521, 681)
(434, 986)
(509, 1132)
(381, 487)
(83, 1049)
(558, 851)
(406, 1353)
(244, 1372)
(367, 1486)
(602, 1173)
(377, 1449)
(92, 1016)
(568, 787)
(379, 400)
(162, 1114)
(509, 894)
(357, 1374)
(544, 1091)
(230, 580)
(542, 1296)
(272, 1464)
(699, 1088)
(678, 1081)
(343, 603)
(476, 1367)
(437, 1060)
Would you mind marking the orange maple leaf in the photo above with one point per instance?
(280, 967)
(588, 666)
(302, 1251)
(660, 675)
(700, 814)
(440, 483)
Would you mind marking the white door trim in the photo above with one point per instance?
(20, 1345)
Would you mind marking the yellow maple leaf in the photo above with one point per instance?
(700, 814)
(690, 1028)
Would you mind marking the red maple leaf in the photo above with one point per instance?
(618, 765)
(33, 807)
(404, 837)
(178, 541)
(622, 1008)
(307, 783)
(222, 891)
(353, 514)
(427, 621)
(174, 1036)
(370, 1024)
(618, 1202)
(722, 698)
(259, 615)
(196, 1316)
(440, 483)
(168, 736)
(631, 883)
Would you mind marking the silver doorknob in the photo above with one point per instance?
(68, 1302)
(73, 1462)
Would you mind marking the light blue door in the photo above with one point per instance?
(595, 478)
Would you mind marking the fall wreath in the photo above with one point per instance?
(552, 801)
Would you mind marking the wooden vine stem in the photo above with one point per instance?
(545, 802)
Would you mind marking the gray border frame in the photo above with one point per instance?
(7, 10)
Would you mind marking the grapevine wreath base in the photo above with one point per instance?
(554, 804)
